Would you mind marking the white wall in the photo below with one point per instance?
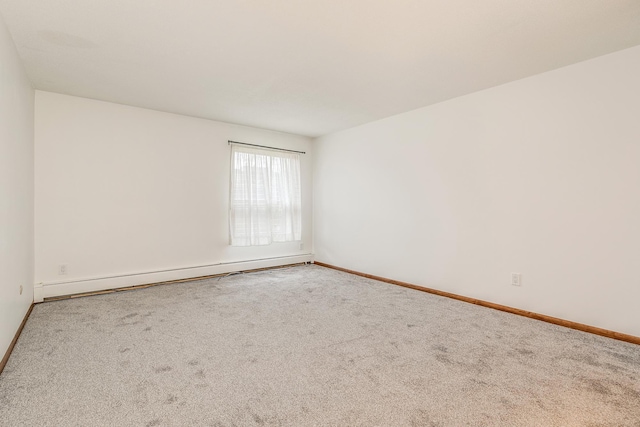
(123, 190)
(16, 190)
(540, 176)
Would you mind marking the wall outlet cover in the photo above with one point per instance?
(516, 279)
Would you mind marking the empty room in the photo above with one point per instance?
(334, 213)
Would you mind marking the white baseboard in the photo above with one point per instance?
(56, 289)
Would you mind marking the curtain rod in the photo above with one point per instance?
(264, 146)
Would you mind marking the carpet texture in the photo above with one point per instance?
(308, 346)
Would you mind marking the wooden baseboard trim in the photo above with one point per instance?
(537, 316)
(5, 359)
(167, 282)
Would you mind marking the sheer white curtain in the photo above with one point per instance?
(265, 199)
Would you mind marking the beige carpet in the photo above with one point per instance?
(308, 346)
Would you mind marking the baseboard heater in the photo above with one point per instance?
(44, 291)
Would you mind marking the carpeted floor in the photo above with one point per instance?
(308, 346)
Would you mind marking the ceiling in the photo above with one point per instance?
(304, 67)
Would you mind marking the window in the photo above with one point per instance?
(265, 201)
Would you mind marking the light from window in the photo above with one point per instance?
(265, 199)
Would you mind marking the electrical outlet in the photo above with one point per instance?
(301, 246)
(20, 289)
(62, 269)
(516, 279)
